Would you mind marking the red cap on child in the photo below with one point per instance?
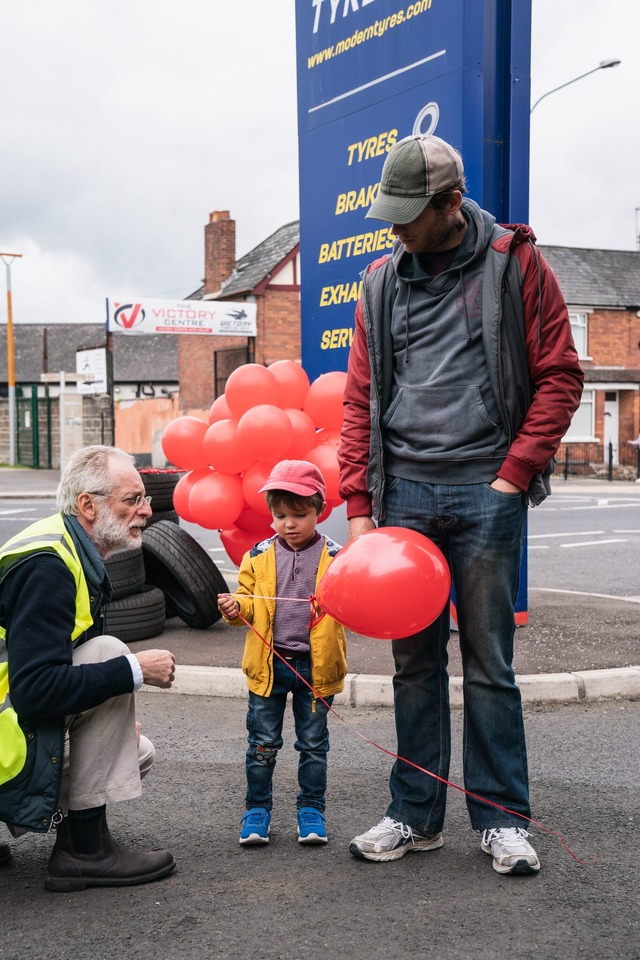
(296, 476)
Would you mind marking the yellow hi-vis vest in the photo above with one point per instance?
(45, 536)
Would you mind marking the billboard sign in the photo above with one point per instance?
(138, 315)
(93, 364)
(371, 72)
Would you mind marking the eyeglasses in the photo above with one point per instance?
(130, 501)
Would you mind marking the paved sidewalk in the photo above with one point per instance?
(575, 646)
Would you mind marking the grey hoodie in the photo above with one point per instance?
(443, 422)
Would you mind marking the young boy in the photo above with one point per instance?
(288, 566)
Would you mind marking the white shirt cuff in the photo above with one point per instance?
(136, 670)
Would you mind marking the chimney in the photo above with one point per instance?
(219, 250)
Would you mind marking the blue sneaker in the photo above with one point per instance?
(255, 827)
(311, 826)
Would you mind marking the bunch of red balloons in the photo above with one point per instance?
(265, 415)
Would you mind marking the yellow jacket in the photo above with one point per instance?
(257, 578)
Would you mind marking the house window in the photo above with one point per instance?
(579, 330)
(583, 424)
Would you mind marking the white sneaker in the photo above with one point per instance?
(390, 840)
(510, 849)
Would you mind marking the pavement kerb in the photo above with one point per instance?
(372, 690)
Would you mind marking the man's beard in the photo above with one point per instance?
(111, 533)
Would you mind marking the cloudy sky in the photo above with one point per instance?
(123, 123)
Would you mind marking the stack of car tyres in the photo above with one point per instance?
(170, 575)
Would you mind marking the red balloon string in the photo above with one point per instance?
(396, 756)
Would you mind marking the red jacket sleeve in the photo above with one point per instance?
(353, 451)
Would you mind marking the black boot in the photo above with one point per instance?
(5, 854)
(112, 866)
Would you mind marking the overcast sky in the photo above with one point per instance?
(123, 124)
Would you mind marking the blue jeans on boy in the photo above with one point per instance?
(481, 533)
(265, 717)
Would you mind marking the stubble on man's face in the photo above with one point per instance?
(111, 532)
(431, 232)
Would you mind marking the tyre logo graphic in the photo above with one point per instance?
(129, 315)
(427, 120)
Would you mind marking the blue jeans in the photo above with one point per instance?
(265, 717)
(481, 533)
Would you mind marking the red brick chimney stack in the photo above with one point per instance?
(219, 250)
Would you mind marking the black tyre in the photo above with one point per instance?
(136, 617)
(184, 571)
(171, 515)
(126, 572)
(159, 485)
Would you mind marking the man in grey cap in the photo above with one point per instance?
(462, 381)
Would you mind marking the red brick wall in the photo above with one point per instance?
(613, 338)
(278, 326)
(219, 250)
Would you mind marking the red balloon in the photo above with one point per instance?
(325, 457)
(292, 380)
(255, 523)
(182, 490)
(304, 434)
(223, 449)
(237, 542)
(324, 399)
(328, 436)
(249, 385)
(265, 432)
(182, 442)
(216, 500)
(388, 583)
(254, 478)
(219, 410)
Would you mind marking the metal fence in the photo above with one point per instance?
(609, 461)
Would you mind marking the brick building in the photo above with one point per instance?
(602, 290)
(268, 275)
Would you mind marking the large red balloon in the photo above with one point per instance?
(216, 500)
(256, 523)
(304, 434)
(265, 432)
(236, 542)
(331, 436)
(325, 457)
(182, 442)
(223, 449)
(292, 380)
(249, 385)
(219, 410)
(387, 583)
(324, 399)
(253, 479)
(182, 490)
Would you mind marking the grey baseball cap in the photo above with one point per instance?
(416, 168)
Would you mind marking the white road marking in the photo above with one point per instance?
(580, 533)
(589, 543)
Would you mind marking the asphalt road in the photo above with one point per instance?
(287, 902)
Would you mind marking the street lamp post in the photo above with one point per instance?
(603, 65)
(7, 259)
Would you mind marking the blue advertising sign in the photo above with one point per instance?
(369, 73)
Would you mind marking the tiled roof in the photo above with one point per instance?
(596, 278)
(610, 374)
(258, 263)
(39, 348)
